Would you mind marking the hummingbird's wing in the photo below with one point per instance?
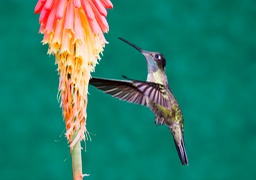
(132, 90)
(154, 91)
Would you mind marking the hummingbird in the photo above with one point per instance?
(153, 93)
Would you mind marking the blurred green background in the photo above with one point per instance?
(210, 47)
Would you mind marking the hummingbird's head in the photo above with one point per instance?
(155, 60)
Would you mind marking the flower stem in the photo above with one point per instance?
(77, 160)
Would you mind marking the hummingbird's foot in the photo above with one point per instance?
(159, 121)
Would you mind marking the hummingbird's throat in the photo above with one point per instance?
(157, 77)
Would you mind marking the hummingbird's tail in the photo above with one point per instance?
(182, 152)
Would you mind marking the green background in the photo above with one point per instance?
(210, 47)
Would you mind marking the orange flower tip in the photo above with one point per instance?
(87, 9)
(104, 24)
(102, 10)
(39, 7)
(101, 20)
(48, 4)
(69, 17)
(77, 3)
(43, 16)
(107, 4)
(60, 9)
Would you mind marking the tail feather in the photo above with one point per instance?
(182, 152)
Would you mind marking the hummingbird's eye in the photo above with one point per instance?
(157, 56)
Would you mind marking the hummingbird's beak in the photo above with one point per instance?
(133, 45)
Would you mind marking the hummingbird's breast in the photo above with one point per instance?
(168, 116)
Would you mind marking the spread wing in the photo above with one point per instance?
(133, 91)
